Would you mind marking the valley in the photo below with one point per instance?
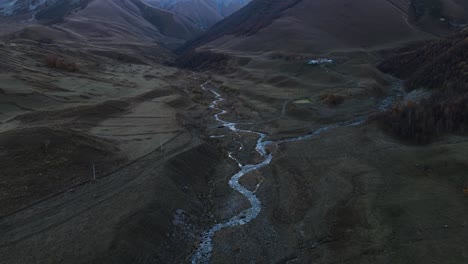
(131, 134)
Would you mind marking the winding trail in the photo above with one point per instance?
(203, 253)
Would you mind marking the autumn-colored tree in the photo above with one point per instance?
(54, 61)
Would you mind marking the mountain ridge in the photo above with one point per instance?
(102, 20)
(315, 26)
(203, 13)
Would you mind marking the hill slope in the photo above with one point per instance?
(204, 13)
(311, 26)
(102, 20)
(436, 76)
(433, 65)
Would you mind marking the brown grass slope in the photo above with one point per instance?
(104, 21)
(321, 25)
(247, 21)
(168, 23)
(204, 13)
(39, 161)
(45, 34)
(129, 20)
(200, 12)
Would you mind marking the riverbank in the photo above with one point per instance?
(352, 194)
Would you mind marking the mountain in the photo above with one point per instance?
(319, 25)
(204, 13)
(101, 20)
(57, 7)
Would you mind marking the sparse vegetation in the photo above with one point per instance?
(332, 99)
(51, 161)
(245, 22)
(202, 60)
(54, 61)
(439, 66)
(434, 65)
(422, 122)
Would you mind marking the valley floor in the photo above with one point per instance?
(352, 194)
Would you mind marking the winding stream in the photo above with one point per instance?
(203, 253)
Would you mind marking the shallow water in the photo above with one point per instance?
(203, 253)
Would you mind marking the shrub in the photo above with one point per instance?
(201, 61)
(332, 99)
(439, 66)
(54, 61)
(421, 122)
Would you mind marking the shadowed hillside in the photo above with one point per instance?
(311, 26)
(204, 13)
(441, 67)
(440, 64)
(250, 19)
(103, 20)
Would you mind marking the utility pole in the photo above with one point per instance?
(94, 172)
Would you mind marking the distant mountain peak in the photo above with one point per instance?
(16, 7)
